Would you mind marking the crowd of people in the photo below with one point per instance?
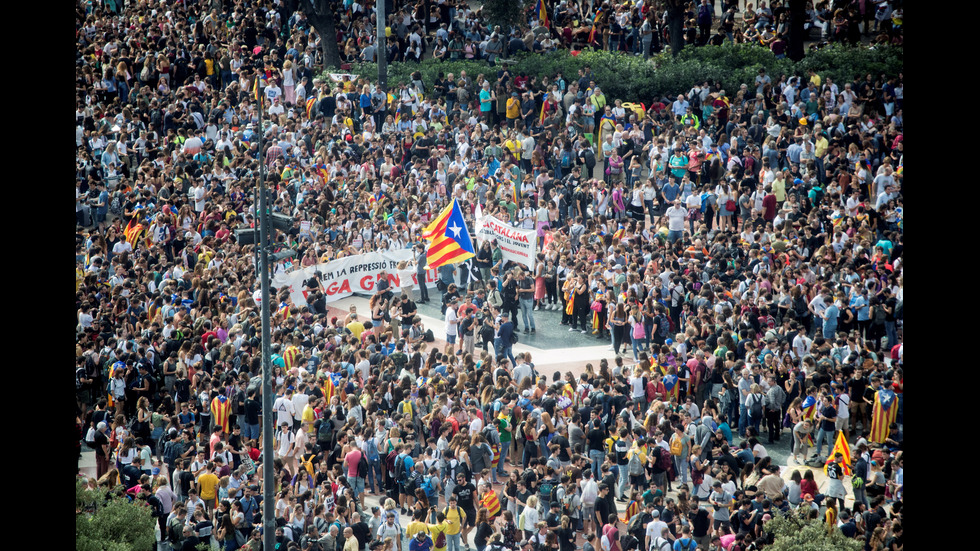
(740, 250)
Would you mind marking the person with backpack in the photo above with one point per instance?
(680, 447)
(661, 327)
(621, 448)
(686, 542)
(456, 519)
(357, 470)
(663, 541)
(403, 467)
(636, 464)
(755, 406)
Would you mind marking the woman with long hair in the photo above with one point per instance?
(617, 325)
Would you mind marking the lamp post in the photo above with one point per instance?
(268, 484)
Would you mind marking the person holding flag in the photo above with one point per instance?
(541, 9)
(884, 411)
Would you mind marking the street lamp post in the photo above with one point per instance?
(268, 484)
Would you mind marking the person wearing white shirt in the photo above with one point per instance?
(654, 533)
(817, 306)
(452, 321)
(284, 408)
(676, 215)
(300, 399)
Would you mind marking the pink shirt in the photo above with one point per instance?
(352, 458)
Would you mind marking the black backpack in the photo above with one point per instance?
(362, 466)
(755, 410)
(400, 474)
(637, 524)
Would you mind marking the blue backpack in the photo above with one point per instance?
(371, 450)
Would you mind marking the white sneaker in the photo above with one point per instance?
(584, 331)
(570, 329)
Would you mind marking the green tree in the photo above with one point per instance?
(322, 15)
(675, 24)
(107, 522)
(794, 533)
(506, 13)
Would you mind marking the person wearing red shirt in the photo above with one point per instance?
(769, 205)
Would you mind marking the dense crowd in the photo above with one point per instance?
(740, 250)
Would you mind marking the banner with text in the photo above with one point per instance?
(517, 244)
(352, 274)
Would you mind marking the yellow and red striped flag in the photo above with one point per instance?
(449, 240)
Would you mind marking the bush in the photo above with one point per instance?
(793, 533)
(106, 522)
(630, 78)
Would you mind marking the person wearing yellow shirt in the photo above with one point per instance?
(355, 327)
(514, 146)
(439, 529)
(417, 525)
(513, 109)
(309, 415)
(455, 517)
(779, 188)
(815, 78)
(207, 484)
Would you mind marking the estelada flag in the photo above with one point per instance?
(884, 412)
(810, 408)
(842, 448)
(449, 240)
(329, 389)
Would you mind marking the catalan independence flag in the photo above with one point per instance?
(810, 408)
(840, 447)
(542, 10)
(329, 389)
(309, 106)
(449, 240)
(670, 384)
(595, 23)
(884, 411)
(631, 509)
(221, 412)
(491, 502)
(133, 231)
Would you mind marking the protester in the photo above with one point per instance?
(747, 247)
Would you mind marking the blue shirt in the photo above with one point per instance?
(505, 332)
(670, 192)
(830, 316)
(861, 305)
(726, 430)
(424, 545)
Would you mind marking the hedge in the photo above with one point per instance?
(630, 78)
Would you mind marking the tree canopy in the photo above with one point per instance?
(105, 521)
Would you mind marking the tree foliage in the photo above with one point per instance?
(106, 522)
(322, 15)
(506, 13)
(665, 75)
(794, 533)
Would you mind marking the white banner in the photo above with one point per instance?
(517, 244)
(351, 274)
